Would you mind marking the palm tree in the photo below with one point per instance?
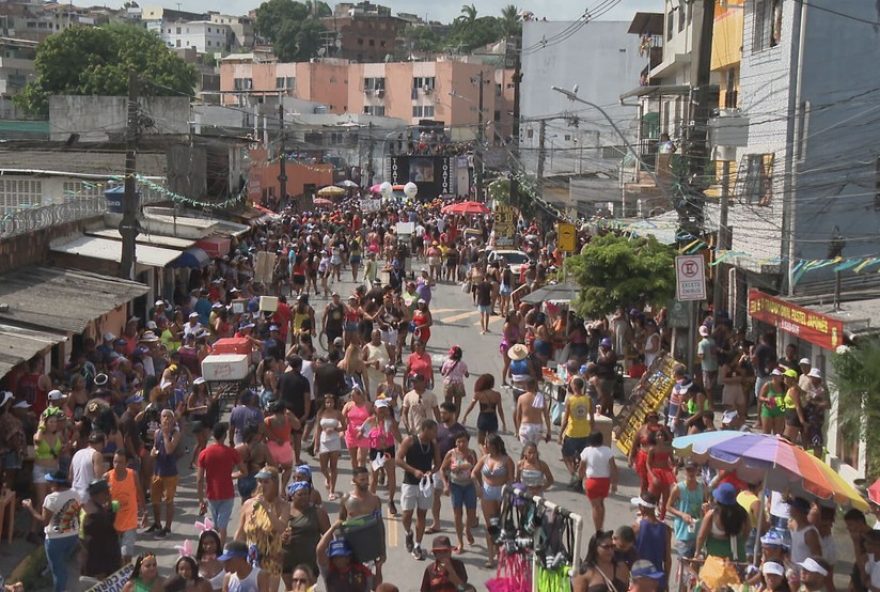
(468, 13)
(510, 20)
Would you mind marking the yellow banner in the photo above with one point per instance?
(505, 224)
(649, 395)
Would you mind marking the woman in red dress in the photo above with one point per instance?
(660, 467)
(638, 456)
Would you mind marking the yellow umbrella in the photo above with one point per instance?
(331, 191)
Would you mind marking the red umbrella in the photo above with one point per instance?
(466, 207)
(322, 202)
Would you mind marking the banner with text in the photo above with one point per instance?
(649, 395)
(115, 582)
(803, 323)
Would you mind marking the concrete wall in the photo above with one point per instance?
(604, 61)
(103, 118)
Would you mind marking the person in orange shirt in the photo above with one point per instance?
(126, 492)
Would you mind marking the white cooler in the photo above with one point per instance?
(268, 303)
(217, 367)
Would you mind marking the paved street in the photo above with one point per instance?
(455, 322)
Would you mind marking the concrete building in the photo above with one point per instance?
(443, 90)
(242, 28)
(102, 119)
(16, 70)
(205, 36)
(602, 61)
(361, 36)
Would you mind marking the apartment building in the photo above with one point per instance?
(443, 90)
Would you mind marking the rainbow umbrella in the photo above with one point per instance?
(777, 462)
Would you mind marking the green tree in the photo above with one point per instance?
(857, 378)
(617, 271)
(510, 22)
(96, 61)
(469, 35)
(291, 28)
(422, 39)
(468, 14)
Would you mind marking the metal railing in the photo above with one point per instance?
(33, 219)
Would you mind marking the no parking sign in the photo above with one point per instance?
(690, 278)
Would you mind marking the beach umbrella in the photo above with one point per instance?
(331, 191)
(466, 207)
(349, 184)
(323, 202)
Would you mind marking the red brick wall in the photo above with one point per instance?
(33, 248)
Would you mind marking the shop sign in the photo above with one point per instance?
(803, 323)
(567, 234)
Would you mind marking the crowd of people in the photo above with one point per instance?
(111, 431)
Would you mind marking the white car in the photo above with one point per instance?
(516, 259)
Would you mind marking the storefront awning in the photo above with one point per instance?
(62, 299)
(111, 250)
(193, 257)
(153, 240)
(18, 344)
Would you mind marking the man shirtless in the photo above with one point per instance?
(360, 502)
(531, 415)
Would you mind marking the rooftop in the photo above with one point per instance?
(81, 162)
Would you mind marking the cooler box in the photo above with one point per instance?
(268, 303)
(366, 537)
(225, 367)
(233, 345)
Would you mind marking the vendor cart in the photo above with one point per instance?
(227, 375)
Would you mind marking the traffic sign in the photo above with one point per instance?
(567, 237)
(690, 277)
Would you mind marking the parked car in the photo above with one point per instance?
(516, 259)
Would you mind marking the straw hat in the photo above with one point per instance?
(518, 352)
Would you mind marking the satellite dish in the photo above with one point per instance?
(574, 89)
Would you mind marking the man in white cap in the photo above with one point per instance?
(804, 379)
(193, 325)
(106, 348)
(814, 574)
(158, 315)
(707, 354)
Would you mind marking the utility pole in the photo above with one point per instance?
(539, 172)
(691, 211)
(128, 228)
(282, 162)
(517, 78)
(369, 180)
(478, 149)
(724, 238)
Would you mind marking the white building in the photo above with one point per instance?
(807, 180)
(602, 61)
(203, 36)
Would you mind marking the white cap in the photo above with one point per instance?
(21, 405)
(383, 403)
(159, 303)
(814, 373)
(193, 315)
(200, 380)
(813, 566)
(152, 325)
(704, 330)
(55, 395)
(805, 361)
(108, 336)
(773, 568)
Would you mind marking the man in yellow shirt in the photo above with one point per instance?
(577, 425)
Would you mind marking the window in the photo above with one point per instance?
(374, 83)
(209, 30)
(290, 83)
(279, 82)
(496, 116)
(428, 111)
(76, 190)
(381, 44)
(530, 133)
(178, 43)
(178, 30)
(377, 110)
(243, 83)
(417, 111)
(730, 93)
(758, 184)
(681, 16)
(670, 23)
(567, 136)
(767, 30)
(360, 41)
(19, 194)
(497, 90)
(372, 42)
(425, 82)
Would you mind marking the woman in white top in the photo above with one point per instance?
(652, 342)
(376, 356)
(599, 474)
(328, 442)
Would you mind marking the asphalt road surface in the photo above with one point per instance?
(456, 322)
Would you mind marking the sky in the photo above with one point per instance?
(442, 10)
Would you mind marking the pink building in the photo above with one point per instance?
(444, 90)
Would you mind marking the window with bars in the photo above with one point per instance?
(17, 194)
(76, 190)
(757, 187)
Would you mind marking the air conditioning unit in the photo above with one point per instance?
(367, 90)
(428, 90)
(380, 92)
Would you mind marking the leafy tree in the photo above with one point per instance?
(857, 378)
(510, 22)
(617, 271)
(468, 14)
(422, 39)
(96, 61)
(291, 27)
(468, 35)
